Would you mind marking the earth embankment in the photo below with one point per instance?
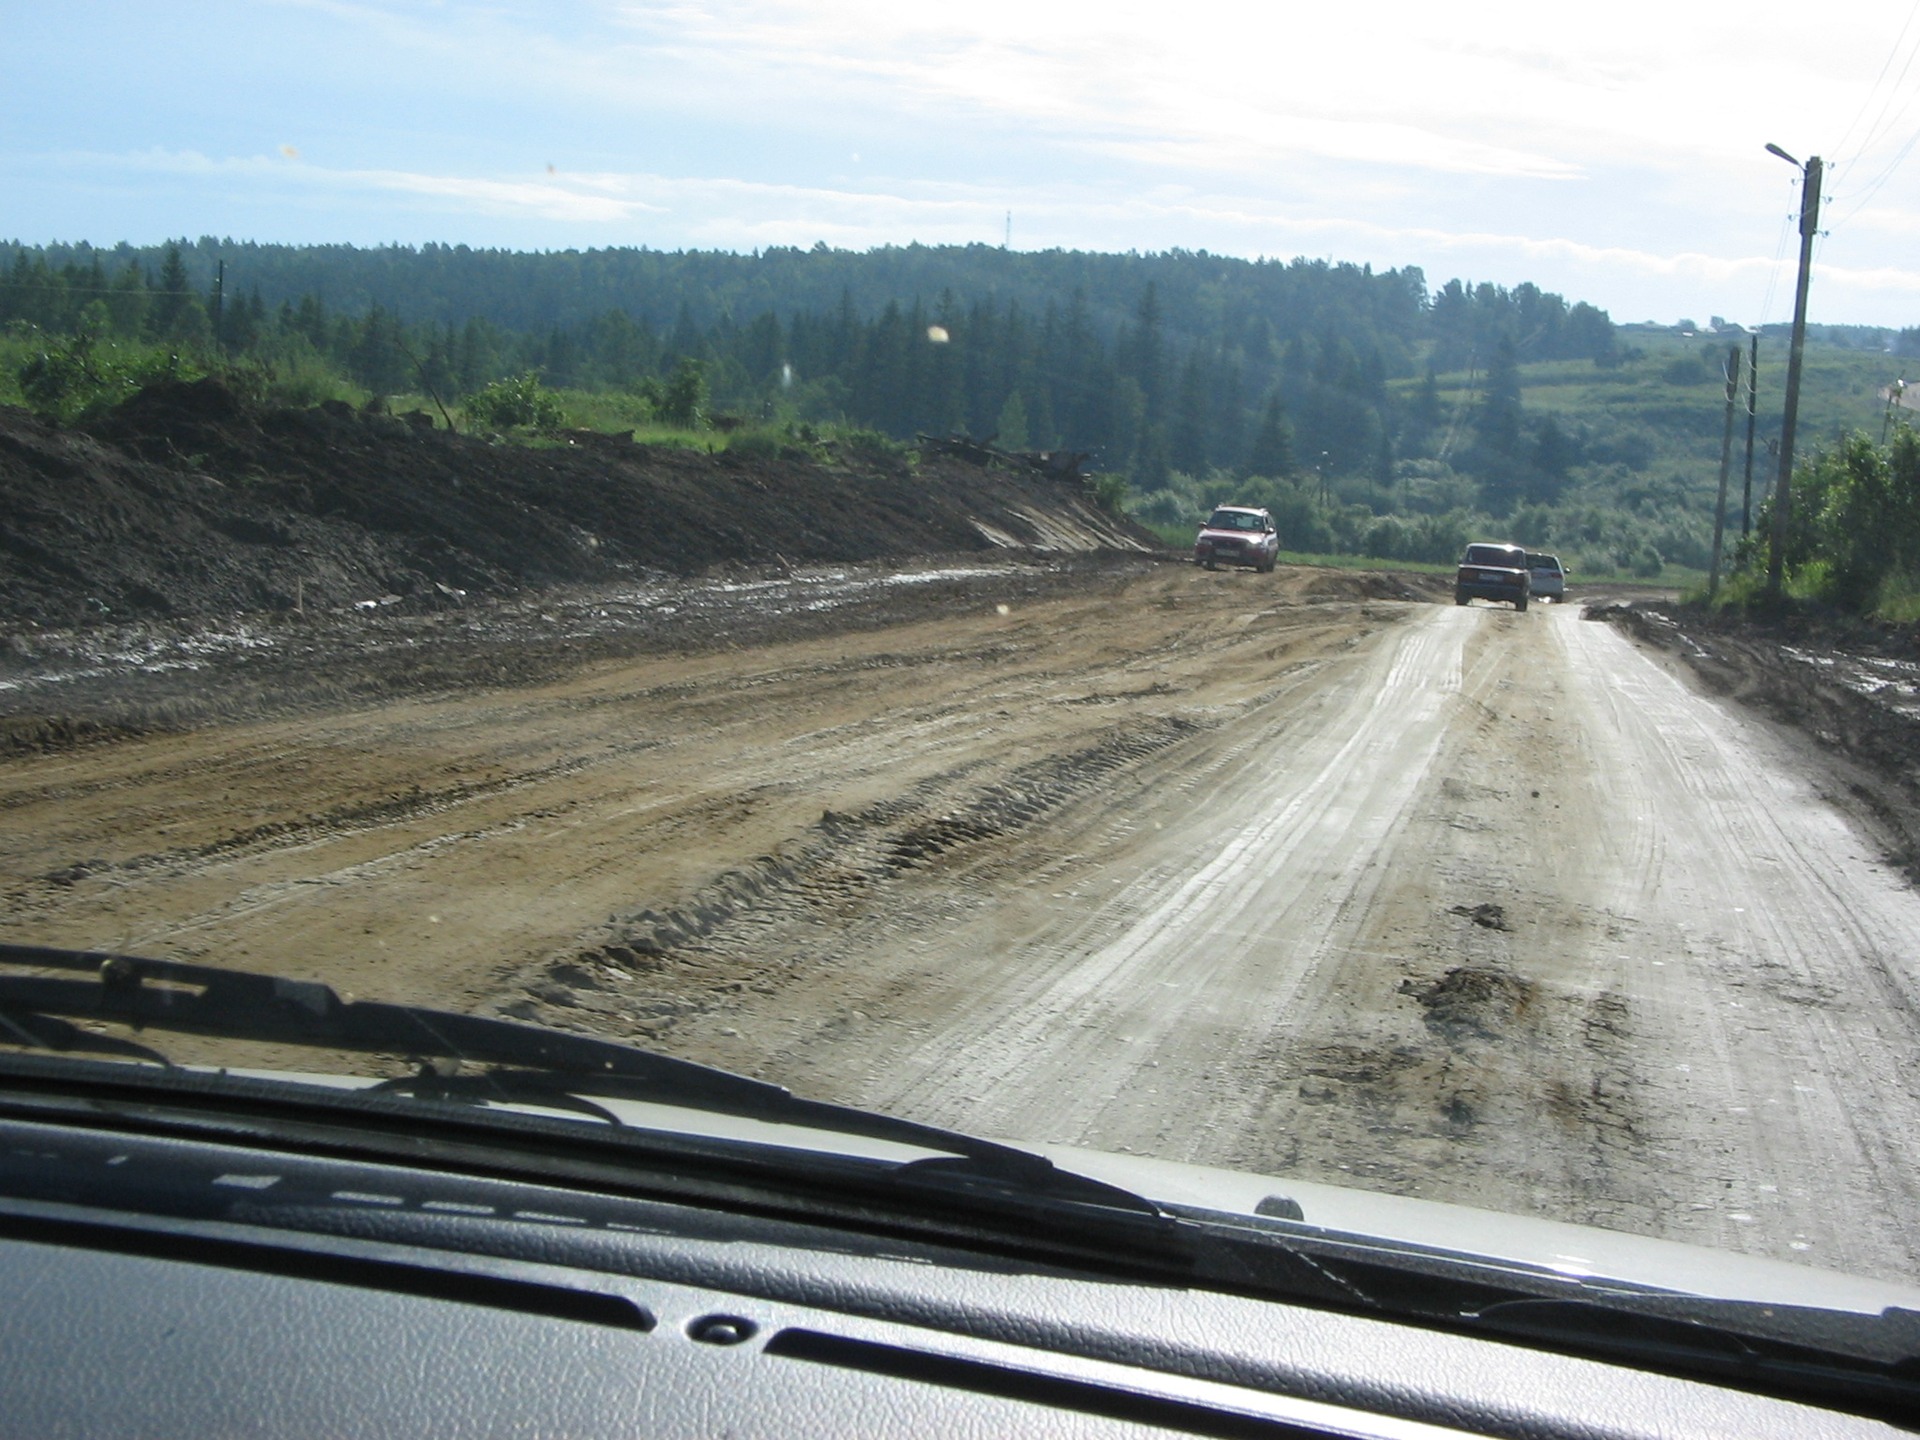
(187, 501)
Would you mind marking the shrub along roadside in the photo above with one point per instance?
(1853, 532)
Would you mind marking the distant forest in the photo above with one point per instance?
(1155, 364)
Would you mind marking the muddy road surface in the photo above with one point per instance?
(1302, 873)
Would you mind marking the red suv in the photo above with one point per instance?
(1237, 535)
(1493, 572)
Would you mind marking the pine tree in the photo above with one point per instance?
(1272, 451)
(1012, 427)
(1187, 442)
(1499, 426)
(1499, 419)
(176, 315)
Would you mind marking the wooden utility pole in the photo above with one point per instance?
(1753, 397)
(1783, 486)
(1726, 463)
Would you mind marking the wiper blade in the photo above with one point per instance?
(1791, 1350)
(533, 1065)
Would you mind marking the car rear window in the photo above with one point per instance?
(1491, 555)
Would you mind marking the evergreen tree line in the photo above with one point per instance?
(1160, 365)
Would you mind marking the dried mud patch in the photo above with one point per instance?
(52, 734)
(63, 689)
(1478, 1081)
(1486, 915)
(1474, 1000)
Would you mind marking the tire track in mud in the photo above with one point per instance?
(1083, 1019)
(389, 810)
(1786, 994)
(838, 865)
(686, 958)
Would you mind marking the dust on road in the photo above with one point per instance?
(1298, 873)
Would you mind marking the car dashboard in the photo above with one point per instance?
(169, 1285)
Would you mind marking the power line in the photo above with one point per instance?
(1886, 122)
(1773, 275)
(1885, 175)
(1867, 99)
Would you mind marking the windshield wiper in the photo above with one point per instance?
(1793, 1351)
(973, 1179)
(530, 1065)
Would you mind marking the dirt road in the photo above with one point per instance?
(1302, 873)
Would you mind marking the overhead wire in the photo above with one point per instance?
(1773, 274)
(1886, 122)
(1840, 149)
(1881, 179)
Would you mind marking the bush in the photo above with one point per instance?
(1109, 491)
(66, 379)
(680, 399)
(1163, 508)
(1385, 539)
(1687, 545)
(1899, 599)
(518, 401)
(756, 444)
(857, 443)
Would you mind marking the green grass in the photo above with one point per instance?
(1839, 387)
(1684, 421)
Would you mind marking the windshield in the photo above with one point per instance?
(1235, 520)
(678, 527)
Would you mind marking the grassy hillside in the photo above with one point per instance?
(1661, 410)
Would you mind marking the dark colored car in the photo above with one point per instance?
(1237, 535)
(1493, 572)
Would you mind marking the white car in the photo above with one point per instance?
(1549, 576)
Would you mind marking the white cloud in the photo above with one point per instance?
(1603, 149)
(730, 212)
(559, 202)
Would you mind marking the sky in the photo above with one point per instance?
(1612, 152)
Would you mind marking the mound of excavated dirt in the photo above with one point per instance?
(187, 501)
(1376, 585)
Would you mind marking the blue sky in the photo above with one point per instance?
(1613, 155)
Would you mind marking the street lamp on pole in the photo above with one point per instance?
(1809, 223)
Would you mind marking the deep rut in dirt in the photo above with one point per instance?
(843, 863)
